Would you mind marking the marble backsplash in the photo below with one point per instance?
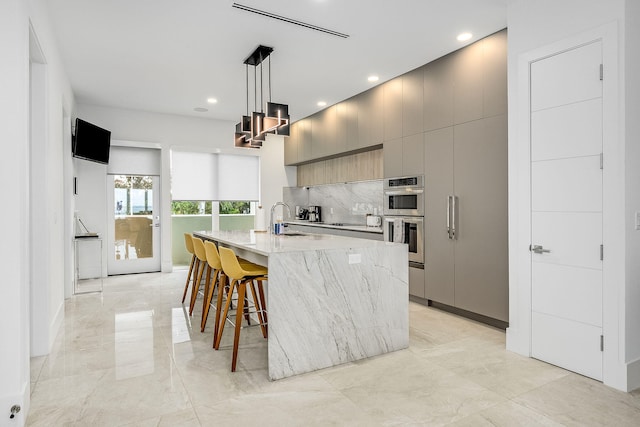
(348, 203)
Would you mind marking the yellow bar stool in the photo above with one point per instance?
(218, 279)
(188, 243)
(201, 255)
(215, 279)
(240, 276)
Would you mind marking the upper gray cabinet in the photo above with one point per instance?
(370, 125)
(291, 146)
(467, 83)
(323, 133)
(404, 156)
(392, 111)
(494, 72)
(413, 102)
(347, 126)
(438, 94)
(304, 140)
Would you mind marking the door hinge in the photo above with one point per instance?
(601, 252)
(601, 342)
(601, 72)
(601, 160)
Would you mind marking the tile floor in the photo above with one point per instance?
(131, 357)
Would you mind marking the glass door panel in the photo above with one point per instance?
(135, 234)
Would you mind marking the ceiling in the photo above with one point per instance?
(169, 56)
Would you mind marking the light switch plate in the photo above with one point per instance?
(355, 258)
(637, 220)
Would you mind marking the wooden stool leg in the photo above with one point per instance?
(258, 307)
(242, 286)
(208, 296)
(196, 286)
(186, 285)
(222, 286)
(223, 321)
(196, 268)
(263, 303)
(207, 285)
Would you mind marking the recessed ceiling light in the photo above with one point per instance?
(200, 110)
(212, 100)
(463, 37)
(373, 78)
(321, 103)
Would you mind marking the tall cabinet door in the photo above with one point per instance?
(439, 249)
(481, 255)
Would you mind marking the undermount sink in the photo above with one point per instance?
(293, 233)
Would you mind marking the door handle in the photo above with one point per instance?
(538, 249)
(454, 218)
(449, 216)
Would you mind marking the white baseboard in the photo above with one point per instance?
(55, 325)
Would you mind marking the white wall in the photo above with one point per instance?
(632, 154)
(537, 27)
(166, 132)
(15, 16)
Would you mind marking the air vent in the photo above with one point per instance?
(289, 20)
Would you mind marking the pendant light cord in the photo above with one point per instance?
(246, 71)
(269, 78)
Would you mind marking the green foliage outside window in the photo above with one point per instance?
(190, 208)
(182, 207)
(235, 208)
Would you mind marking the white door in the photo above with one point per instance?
(134, 228)
(566, 209)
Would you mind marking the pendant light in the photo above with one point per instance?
(252, 129)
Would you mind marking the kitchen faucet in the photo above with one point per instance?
(271, 215)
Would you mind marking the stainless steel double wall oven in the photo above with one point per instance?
(404, 215)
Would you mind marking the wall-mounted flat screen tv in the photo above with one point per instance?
(91, 142)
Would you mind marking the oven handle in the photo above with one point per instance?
(401, 192)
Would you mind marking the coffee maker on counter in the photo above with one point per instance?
(315, 214)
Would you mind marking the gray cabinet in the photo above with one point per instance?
(347, 125)
(323, 133)
(468, 161)
(304, 140)
(412, 102)
(370, 123)
(438, 94)
(392, 110)
(439, 249)
(392, 151)
(468, 83)
(494, 72)
(416, 282)
(404, 156)
(481, 253)
(291, 146)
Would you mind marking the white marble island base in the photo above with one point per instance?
(330, 299)
(325, 311)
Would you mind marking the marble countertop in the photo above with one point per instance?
(265, 243)
(352, 227)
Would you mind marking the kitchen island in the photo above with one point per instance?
(331, 299)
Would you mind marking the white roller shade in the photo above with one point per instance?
(206, 176)
(194, 176)
(134, 161)
(238, 177)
